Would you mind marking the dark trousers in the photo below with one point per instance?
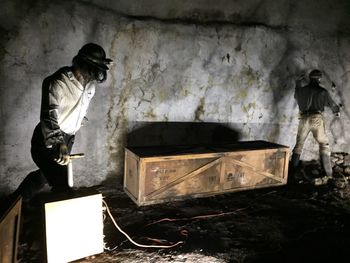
(55, 174)
(49, 171)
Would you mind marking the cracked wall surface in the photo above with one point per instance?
(205, 65)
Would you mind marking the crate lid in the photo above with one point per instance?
(168, 150)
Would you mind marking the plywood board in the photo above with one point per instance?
(9, 232)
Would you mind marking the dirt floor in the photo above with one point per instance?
(304, 221)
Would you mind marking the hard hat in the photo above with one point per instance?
(315, 74)
(95, 55)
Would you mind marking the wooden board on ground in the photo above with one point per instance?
(9, 232)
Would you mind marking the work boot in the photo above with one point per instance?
(293, 168)
(326, 164)
(295, 160)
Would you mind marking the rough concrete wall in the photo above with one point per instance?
(241, 75)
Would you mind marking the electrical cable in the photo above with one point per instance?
(183, 232)
(129, 238)
(209, 215)
(196, 217)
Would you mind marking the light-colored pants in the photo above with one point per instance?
(312, 123)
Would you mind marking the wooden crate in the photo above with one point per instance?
(160, 174)
(9, 232)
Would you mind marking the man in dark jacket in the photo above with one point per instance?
(65, 99)
(312, 99)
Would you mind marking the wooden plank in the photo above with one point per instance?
(252, 152)
(163, 172)
(132, 197)
(9, 232)
(243, 164)
(206, 181)
(167, 150)
(203, 155)
(286, 165)
(142, 180)
(222, 173)
(183, 157)
(131, 154)
(185, 177)
(131, 174)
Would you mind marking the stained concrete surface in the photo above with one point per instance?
(299, 222)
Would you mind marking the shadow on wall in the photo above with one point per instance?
(282, 83)
(180, 133)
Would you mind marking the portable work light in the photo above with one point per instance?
(74, 228)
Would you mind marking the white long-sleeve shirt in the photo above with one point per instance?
(64, 105)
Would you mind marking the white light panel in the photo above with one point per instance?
(74, 228)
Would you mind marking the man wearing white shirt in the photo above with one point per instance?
(65, 99)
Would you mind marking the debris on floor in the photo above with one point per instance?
(302, 222)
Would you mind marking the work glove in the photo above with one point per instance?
(61, 154)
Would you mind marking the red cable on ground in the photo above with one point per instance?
(132, 241)
(195, 217)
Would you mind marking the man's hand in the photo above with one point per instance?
(84, 121)
(333, 87)
(62, 155)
